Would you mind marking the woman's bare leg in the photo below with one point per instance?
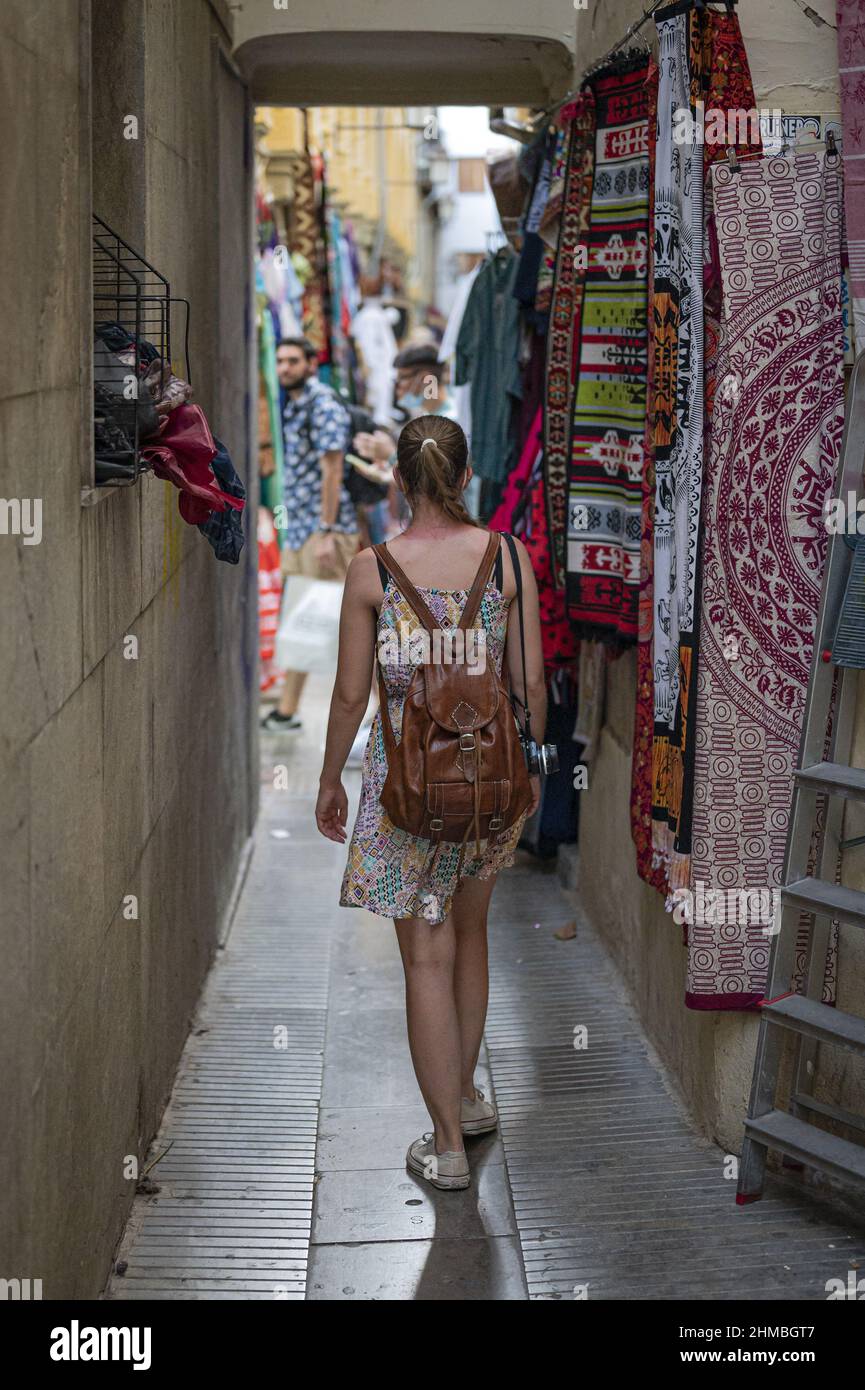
(434, 1038)
(471, 974)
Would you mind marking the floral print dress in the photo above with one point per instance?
(389, 871)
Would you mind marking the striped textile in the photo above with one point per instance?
(606, 445)
(565, 314)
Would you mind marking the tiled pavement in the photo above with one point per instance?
(295, 1101)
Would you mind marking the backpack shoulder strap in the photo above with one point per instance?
(407, 589)
(476, 593)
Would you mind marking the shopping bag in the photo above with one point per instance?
(308, 636)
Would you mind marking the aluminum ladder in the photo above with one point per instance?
(793, 1132)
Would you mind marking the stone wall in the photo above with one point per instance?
(120, 777)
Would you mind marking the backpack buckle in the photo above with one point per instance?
(466, 747)
(496, 822)
(436, 823)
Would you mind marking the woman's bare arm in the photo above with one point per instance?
(357, 629)
(535, 694)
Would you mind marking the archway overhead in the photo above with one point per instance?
(376, 68)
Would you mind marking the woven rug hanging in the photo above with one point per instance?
(649, 866)
(606, 449)
(565, 310)
(775, 441)
(703, 59)
(677, 409)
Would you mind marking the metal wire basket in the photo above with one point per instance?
(132, 306)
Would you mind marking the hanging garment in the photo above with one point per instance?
(461, 395)
(650, 866)
(851, 65)
(372, 331)
(550, 224)
(487, 355)
(269, 595)
(565, 315)
(182, 453)
(678, 409)
(559, 644)
(522, 511)
(532, 253)
(727, 89)
(223, 529)
(775, 440)
(606, 451)
(703, 58)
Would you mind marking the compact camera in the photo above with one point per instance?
(541, 758)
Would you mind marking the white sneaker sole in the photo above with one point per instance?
(446, 1182)
(475, 1127)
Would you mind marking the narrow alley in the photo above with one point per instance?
(280, 1161)
(432, 629)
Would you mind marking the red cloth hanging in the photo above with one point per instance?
(182, 454)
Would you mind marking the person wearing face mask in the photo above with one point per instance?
(421, 383)
(420, 389)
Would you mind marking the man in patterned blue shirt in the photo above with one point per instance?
(317, 516)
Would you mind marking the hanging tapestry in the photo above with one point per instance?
(606, 450)
(548, 226)
(727, 91)
(705, 60)
(523, 512)
(851, 67)
(775, 440)
(649, 866)
(678, 410)
(565, 309)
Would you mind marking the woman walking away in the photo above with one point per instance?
(445, 789)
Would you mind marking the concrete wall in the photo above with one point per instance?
(405, 51)
(710, 1056)
(120, 777)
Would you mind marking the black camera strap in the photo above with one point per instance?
(515, 561)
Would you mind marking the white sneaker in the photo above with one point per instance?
(449, 1170)
(478, 1116)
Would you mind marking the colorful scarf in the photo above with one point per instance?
(851, 65)
(565, 312)
(649, 866)
(775, 440)
(606, 452)
(550, 224)
(704, 60)
(678, 413)
(522, 511)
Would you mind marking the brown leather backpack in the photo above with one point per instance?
(459, 765)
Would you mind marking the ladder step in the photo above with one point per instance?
(816, 1020)
(837, 778)
(811, 1146)
(832, 1112)
(830, 899)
